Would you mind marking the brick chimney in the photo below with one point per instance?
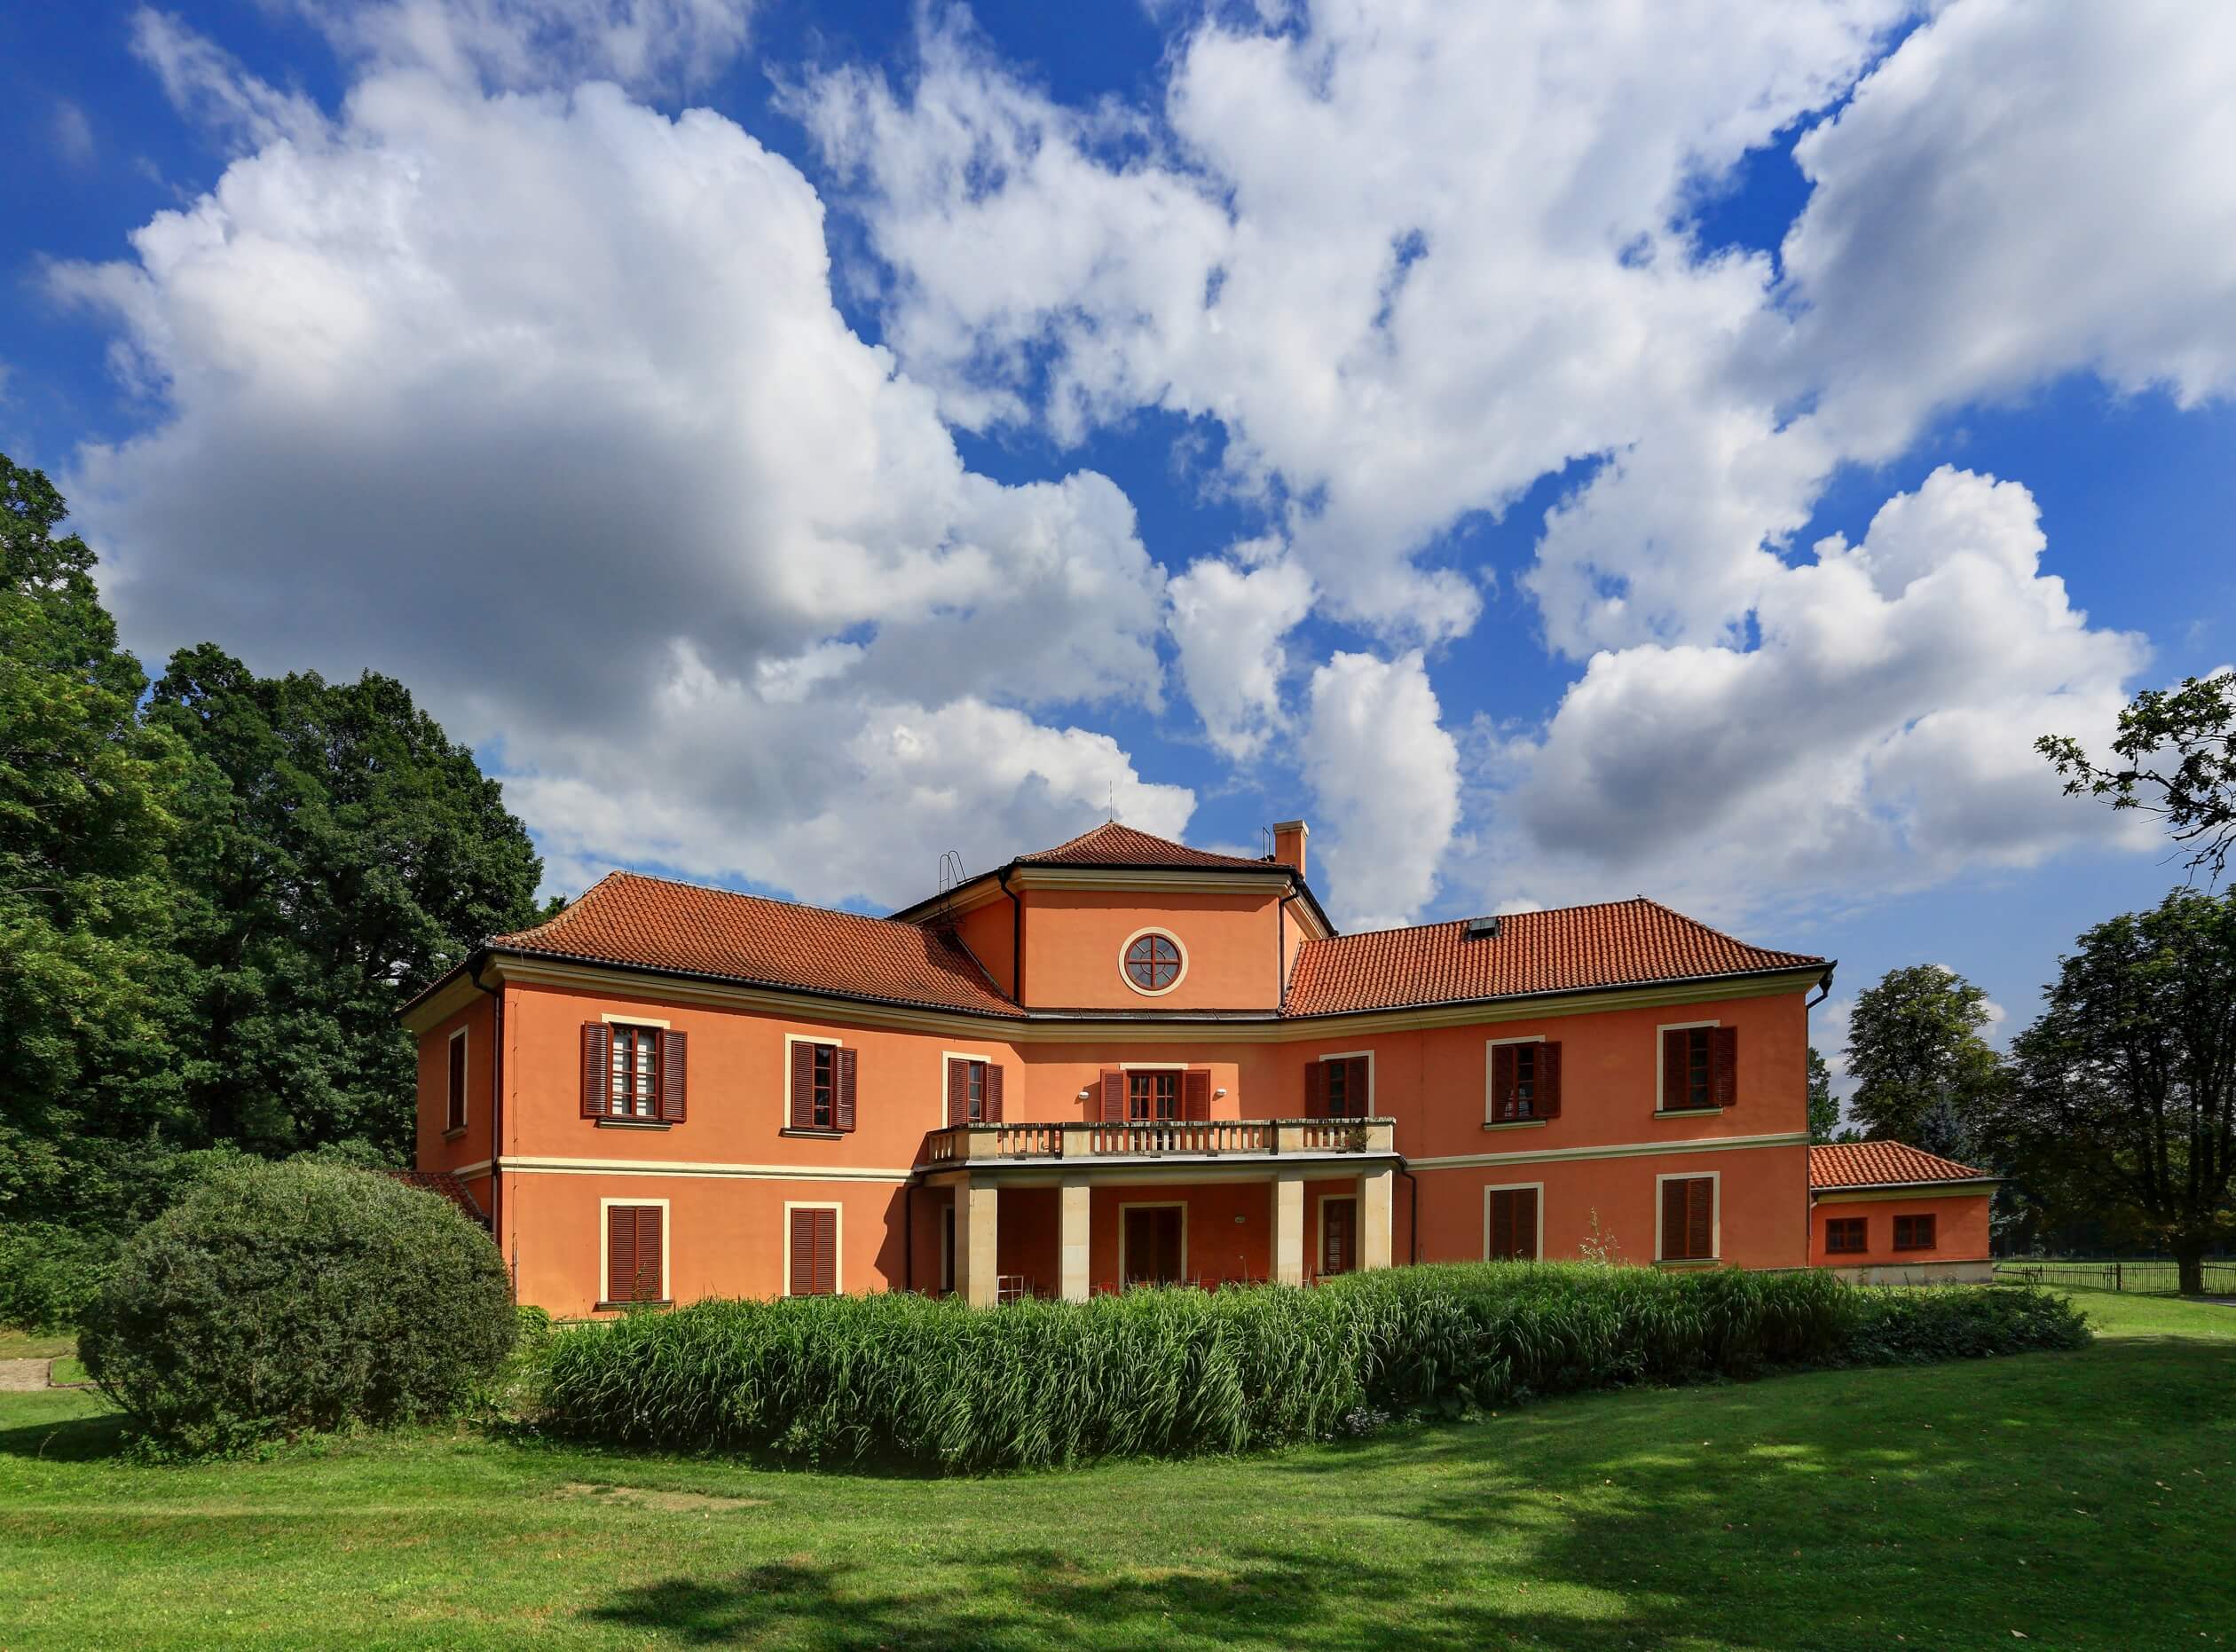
(1288, 844)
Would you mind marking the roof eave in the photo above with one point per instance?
(1647, 985)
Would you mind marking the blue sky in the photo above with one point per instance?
(789, 442)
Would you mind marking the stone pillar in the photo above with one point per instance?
(1288, 1227)
(1072, 1198)
(1375, 1190)
(977, 1208)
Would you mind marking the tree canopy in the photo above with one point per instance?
(212, 896)
(1920, 1065)
(1825, 1106)
(2176, 758)
(2123, 1103)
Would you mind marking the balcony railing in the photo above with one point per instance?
(1261, 1139)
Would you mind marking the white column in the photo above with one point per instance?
(1288, 1227)
(1375, 1189)
(1072, 1198)
(977, 1208)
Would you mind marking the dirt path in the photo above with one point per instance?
(18, 1376)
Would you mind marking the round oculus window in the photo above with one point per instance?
(1153, 962)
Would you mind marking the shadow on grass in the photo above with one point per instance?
(66, 1440)
(2048, 1494)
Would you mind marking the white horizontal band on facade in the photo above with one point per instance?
(1620, 1150)
(671, 1166)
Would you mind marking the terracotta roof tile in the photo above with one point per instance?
(1622, 943)
(689, 930)
(1884, 1164)
(1112, 845)
(448, 1185)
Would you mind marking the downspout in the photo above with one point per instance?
(1017, 936)
(1280, 948)
(496, 1108)
(907, 1235)
(1413, 1244)
(1809, 1191)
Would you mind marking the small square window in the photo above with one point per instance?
(1914, 1232)
(1844, 1234)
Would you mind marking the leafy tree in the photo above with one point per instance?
(91, 803)
(354, 852)
(2124, 1102)
(1825, 1106)
(1914, 1048)
(2176, 751)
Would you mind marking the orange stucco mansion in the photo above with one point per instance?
(1115, 1061)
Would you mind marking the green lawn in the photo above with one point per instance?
(2083, 1501)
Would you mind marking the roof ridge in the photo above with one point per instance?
(717, 889)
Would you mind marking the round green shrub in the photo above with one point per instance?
(280, 1299)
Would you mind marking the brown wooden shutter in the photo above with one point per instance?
(674, 1062)
(1672, 1219)
(1700, 1214)
(1723, 1065)
(803, 1086)
(1114, 1095)
(651, 1283)
(1497, 1242)
(1356, 1086)
(993, 1093)
(802, 1282)
(1548, 1079)
(842, 1084)
(1525, 1218)
(1195, 1095)
(958, 1092)
(1503, 1080)
(826, 1276)
(620, 1252)
(1316, 1089)
(1673, 1091)
(597, 1055)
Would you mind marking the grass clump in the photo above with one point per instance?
(1170, 1373)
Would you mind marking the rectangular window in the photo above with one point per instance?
(1689, 1219)
(636, 1258)
(1339, 1096)
(1696, 1085)
(974, 1090)
(454, 1115)
(1152, 1098)
(1510, 1231)
(822, 1091)
(812, 1247)
(1846, 1233)
(1913, 1233)
(633, 1077)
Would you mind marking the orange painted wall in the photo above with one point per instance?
(990, 932)
(1218, 1247)
(1073, 939)
(1432, 1082)
(1762, 1210)
(1960, 1231)
(436, 1150)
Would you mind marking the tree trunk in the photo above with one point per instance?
(2189, 1262)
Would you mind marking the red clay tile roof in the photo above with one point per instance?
(1112, 845)
(448, 1185)
(687, 930)
(1884, 1164)
(1622, 943)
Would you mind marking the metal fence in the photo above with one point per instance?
(2146, 1278)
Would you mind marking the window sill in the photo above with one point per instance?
(622, 1308)
(1916, 1250)
(813, 1134)
(634, 1124)
(1688, 1262)
(1689, 1112)
(1516, 1124)
(454, 1133)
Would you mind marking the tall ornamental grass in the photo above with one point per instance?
(904, 1379)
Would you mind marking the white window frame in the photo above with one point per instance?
(785, 1127)
(1179, 946)
(1715, 1211)
(838, 1240)
(1661, 1078)
(1538, 1248)
(465, 1085)
(1353, 1055)
(605, 1246)
(653, 1117)
(1181, 1205)
(985, 1058)
(1490, 1078)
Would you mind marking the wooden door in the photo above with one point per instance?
(1338, 1236)
(1154, 1247)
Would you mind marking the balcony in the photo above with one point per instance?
(1259, 1144)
